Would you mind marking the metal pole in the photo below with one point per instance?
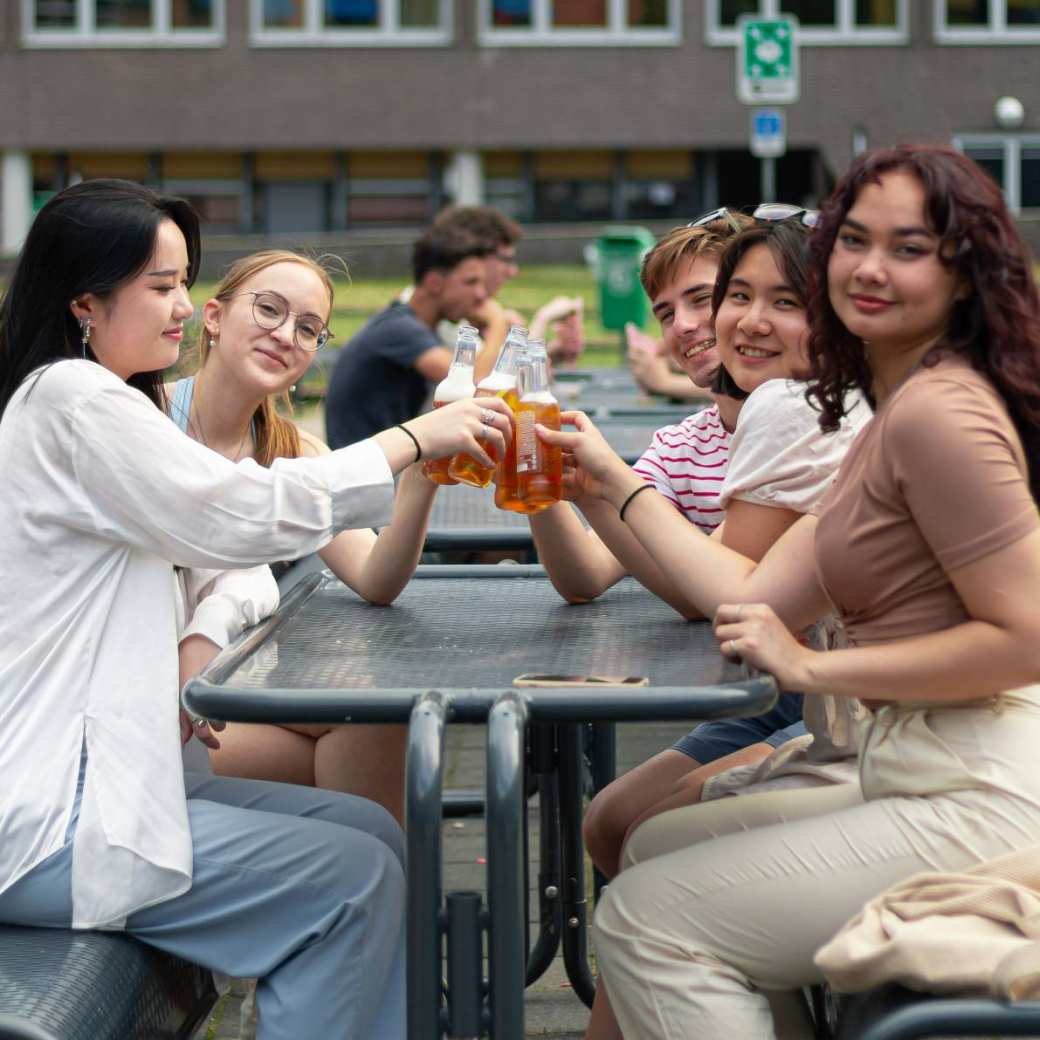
(506, 805)
(425, 775)
(768, 182)
(575, 905)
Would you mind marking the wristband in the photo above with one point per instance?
(418, 449)
(624, 505)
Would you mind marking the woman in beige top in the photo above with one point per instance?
(928, 547)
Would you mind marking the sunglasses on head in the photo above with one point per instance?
(766, 211)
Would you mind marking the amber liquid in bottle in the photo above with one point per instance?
(463, 467)
(506, 491)
(539, 466)
(437, 469)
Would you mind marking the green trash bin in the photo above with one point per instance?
(616, 257)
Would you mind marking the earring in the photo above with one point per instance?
(86, 326)
(212, 343)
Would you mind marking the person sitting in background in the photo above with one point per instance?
(251, 352)
(383, 375)
(562, 315)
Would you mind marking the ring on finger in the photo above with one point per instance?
(740, 609)
(482, 435)
(487, 417)
(731, 652)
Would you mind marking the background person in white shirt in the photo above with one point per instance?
(251, 353)
(303, 889)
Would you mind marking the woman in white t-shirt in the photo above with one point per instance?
(103, 497)
(780, 465)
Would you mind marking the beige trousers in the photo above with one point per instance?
(719, 902)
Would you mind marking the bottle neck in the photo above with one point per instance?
(534, 378)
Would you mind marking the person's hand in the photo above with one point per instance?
(568, 339)
(201, 728)
(639, 342)
(478, 426)
(752, 633)
(558, 308)
(597, 467)
(650, 371)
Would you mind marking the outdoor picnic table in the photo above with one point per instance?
(449, 650)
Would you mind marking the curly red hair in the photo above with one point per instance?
(997, 326)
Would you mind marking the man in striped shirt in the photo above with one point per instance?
(686, 462)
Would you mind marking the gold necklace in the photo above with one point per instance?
(201, 433)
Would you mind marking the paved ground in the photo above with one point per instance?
(553, 1012)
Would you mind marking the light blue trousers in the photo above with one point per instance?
(301, 888)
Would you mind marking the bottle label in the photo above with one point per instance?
(528, 447)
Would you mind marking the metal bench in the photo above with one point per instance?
(65, 985)
(894, 1012)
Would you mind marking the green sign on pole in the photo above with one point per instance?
(767, 62)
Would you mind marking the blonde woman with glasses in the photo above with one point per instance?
(266, 319)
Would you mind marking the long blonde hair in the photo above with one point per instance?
(275, 437)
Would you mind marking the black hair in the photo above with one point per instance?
(788, 242)
(443, 247)
(90, 238)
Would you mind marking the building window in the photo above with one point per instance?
(821, 22)
(1012, 160)
(128, 23)
(579, 22)
(987, 21)
(349, 23)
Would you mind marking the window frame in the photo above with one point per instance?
(85, 34)
(845, 34)
(1012, 142)
(996, 32)
(616, 34)
(387, 34)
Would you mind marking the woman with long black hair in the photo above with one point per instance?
(103, 496)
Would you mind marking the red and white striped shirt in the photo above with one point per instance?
(687, 464)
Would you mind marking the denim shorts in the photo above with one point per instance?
(712, 740)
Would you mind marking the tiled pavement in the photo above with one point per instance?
(553, 1012)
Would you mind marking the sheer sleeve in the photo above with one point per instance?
(141, 481)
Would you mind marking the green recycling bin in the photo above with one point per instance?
(616, 257)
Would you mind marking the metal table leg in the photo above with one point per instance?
(575, 905)
(506, 812)
(425, 774)
(542, 764)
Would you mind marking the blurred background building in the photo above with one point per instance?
(325, 117)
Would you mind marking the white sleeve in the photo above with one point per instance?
(779, 456)
(140, 481)
(228, 602)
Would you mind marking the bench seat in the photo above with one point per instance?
(66, 985)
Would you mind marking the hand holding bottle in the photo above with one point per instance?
(597, 467)
(481, 427)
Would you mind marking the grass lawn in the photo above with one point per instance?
(358, 300)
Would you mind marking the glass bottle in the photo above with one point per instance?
(539, 466)
(457, 385)
(499, 382)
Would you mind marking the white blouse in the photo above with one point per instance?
(779, 456)
(102, 493)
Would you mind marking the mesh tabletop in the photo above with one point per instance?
(479, 633)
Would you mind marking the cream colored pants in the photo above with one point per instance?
(703, 920)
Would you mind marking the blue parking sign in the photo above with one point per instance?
(768, 132)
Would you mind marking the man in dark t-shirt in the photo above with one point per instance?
(382, 375)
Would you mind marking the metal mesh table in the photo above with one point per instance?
(449, 649)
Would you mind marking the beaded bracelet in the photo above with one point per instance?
(624, 505)
(418, 449)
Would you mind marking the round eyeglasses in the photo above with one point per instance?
(765, 211)
(271, 311)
